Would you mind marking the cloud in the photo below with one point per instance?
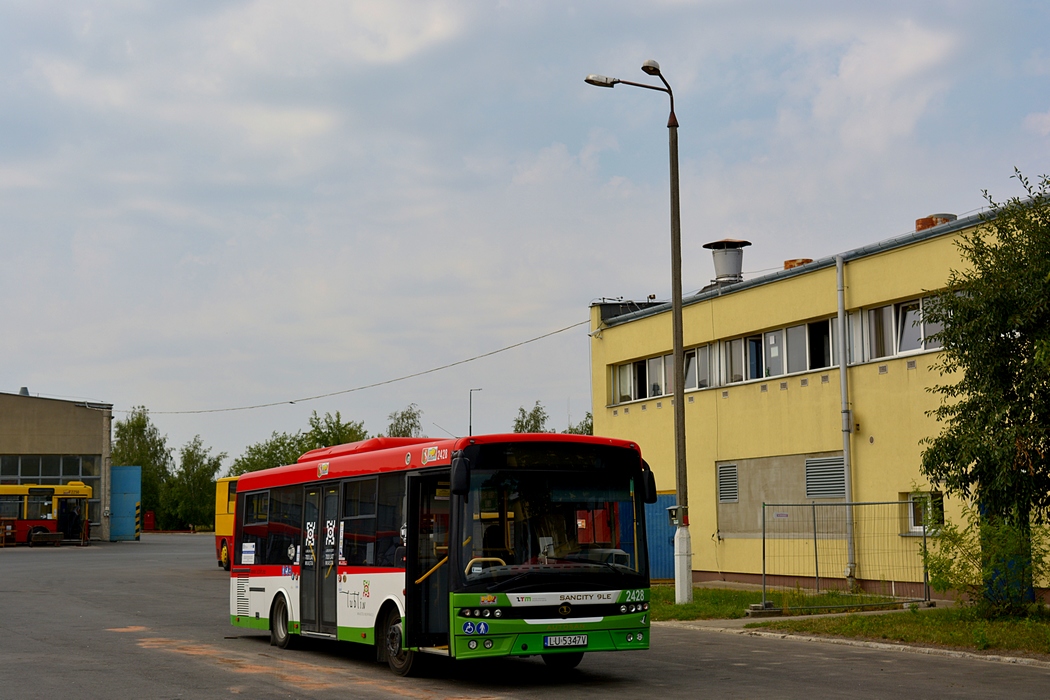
(883, 85)
(1038, 122)
(293, 38)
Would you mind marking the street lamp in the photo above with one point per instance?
(683, 555)
(470, 417)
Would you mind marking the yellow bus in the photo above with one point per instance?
(33, 513)
(225, 500)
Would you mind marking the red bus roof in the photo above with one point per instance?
(383, 454)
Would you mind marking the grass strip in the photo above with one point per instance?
(961, 628)
(730, 604)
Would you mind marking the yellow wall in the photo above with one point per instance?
(741, 421)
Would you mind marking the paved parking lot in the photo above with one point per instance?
(149, 619)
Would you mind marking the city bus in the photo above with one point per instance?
(484, 546)
(225, 500)
(31, 512)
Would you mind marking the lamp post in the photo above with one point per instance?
(470, 416)
(683, 555)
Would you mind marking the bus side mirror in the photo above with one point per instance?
(650, 487)
(460, 476)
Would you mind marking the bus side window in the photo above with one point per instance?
(389, 521)
(254, 528)
(11, 507)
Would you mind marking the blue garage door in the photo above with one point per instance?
(660, 537)
(125, 495)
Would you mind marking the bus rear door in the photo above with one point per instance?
(317, 590)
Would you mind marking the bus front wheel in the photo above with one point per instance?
(563, 662)
(402, 661)
(279, 635)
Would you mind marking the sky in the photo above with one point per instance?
(218, 205)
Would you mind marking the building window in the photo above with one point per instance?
(796, 349)
(825, 477)
(925, 511)
(899, 329)
(54, 470)
(734, 350)
(880, 332)
(728, 484)
(819, 344)
(774, 353)
(754, 357)
(655, 376)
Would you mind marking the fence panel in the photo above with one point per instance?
(806, 546)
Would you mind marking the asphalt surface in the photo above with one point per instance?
(149, 619)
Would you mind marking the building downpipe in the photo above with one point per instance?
(847, 424)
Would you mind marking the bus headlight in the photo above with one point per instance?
(498, 613)
(623, 608)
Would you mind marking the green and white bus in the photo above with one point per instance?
(498, 545)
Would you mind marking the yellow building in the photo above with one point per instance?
(764, 412)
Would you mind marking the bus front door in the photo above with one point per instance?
(426, 569)
(317, 584)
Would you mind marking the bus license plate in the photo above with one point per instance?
(565, 640)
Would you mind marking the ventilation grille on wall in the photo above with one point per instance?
(825, 477)
(728, 484)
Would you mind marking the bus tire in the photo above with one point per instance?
(224, 556)
(402, 661)
(563, 662)
(280, 637)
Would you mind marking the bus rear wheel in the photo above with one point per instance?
(224, 556)
(279, 635)
(563, 662)
(402, 661)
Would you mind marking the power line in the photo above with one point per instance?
(373, 385)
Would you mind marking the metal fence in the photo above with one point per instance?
(807, 548)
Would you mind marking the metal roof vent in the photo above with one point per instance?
(728, 256)
(24, 391)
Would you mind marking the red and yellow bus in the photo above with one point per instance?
(225, 500)
(499, 545)
(31, 512)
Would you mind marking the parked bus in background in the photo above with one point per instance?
(225, 500)
(31, 513)
(466, 548)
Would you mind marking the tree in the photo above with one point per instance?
(584, 427)
(534, 421)
(190, 495)
(331, 430)
(137, 442)
(407, 422)
(994, 444)
(278, 450)
(286, 448)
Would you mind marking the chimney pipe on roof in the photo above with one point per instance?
(728, 257)
(24, 391)
(933, 220)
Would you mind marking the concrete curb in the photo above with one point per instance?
(882, 646)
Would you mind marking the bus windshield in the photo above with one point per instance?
(532, 524)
